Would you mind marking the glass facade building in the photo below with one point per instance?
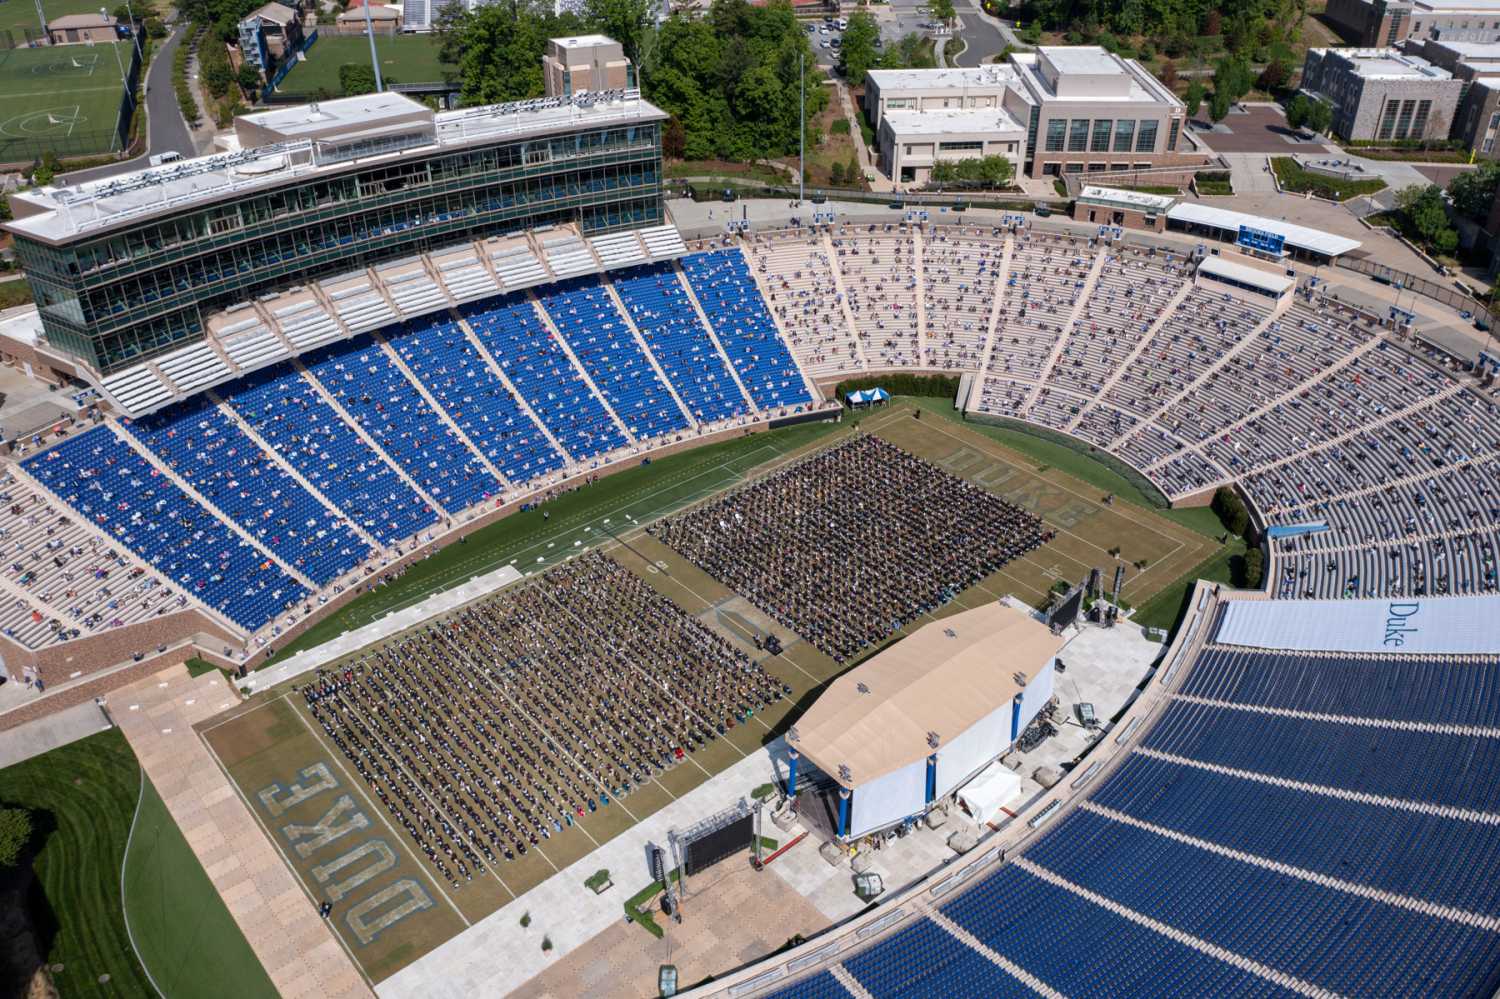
(115, 294)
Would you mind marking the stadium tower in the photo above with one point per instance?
(132, 267)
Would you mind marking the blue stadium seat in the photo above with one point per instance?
(287, 412)
(512, 332)
(451, 368)
(123, 495)
(733, 304)
(659, 306)
(588, 320)
(198, 442)
(388, 407)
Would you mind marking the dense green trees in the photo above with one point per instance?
(1180, 26)
(731, 78)
(356, 78)
(982, 172)
(1473, 191)
(15, 833)
(1427, 217)
(1310, 113)
(859, 53)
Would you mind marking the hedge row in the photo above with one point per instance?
(932, 386)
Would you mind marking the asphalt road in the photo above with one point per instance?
(165, 129)
(982, 40)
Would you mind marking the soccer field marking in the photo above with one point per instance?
(431, 876)
(55, 93)
(24, 125)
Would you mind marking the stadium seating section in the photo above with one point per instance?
(362, 443)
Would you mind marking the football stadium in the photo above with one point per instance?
(514, 578)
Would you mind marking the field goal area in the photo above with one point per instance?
(64, 99)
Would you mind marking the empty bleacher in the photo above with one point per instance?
(286, 411)
(212, 455)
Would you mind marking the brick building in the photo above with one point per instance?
(1383, 93)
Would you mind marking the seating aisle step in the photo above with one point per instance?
(713, 336)
(567, 348)
(395, 357)
(271, 452)
(976, 390)
(364, 435)
(154, 460)
(917, 246)
(640, 341)
(843, 297)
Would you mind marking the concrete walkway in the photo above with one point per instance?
(37, 737)
(279, 919)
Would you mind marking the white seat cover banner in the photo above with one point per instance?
(1428, 625)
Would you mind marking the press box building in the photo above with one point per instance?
(131, 267)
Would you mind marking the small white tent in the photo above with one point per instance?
(993, 787)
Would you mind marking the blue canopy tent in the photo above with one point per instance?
(867, 397)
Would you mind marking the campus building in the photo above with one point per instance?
(82, 29)
(1383, 93)
(129, 267)
(1380, 23)
(1477, 66)
(1058, 110)
(271, 34)
(584, 63)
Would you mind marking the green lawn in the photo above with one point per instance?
(185, 934)
(14, 293)
(1299, 181)
(18, 18)
(587, 516)
(403, 59)
(83, 798)
(1166, 608)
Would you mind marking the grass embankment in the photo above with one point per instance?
(82, 798)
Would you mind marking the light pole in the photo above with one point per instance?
(801, 128)
(374, 60)
(118, 62)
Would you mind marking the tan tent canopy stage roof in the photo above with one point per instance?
(942, 678)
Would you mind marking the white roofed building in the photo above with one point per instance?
(1082, 109)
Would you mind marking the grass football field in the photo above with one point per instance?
(63, 98)
(403, 59)
(271, 740)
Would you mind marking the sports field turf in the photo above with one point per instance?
(64, 98)
(403, 59)
(272, 741)
(83, 800)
